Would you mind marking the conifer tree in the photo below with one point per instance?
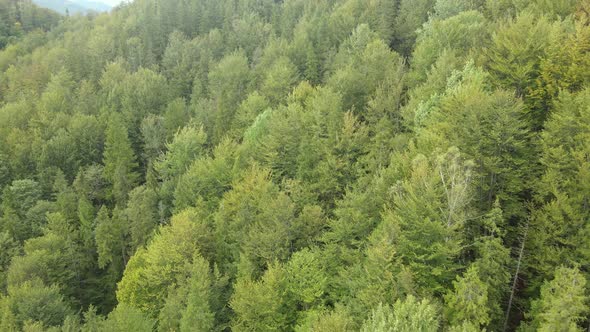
(563, 303)
(119, 160)
(468, 302)
(408, 315)
(198, 316)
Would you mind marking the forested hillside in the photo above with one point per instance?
(18, 17)
(67, 7)
(296, 165)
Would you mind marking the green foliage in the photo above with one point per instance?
(256, 211)
(407, 315)
(361, 66)
(141, 215)
(34, 302)
(563, 302)
(515, 54)
(127, 318)
(488, 128)
(469, 300)
(430, 210)
(303, 165)
(53, 258)
(280, 79)
(461, 35)
(187, 145)
(337, 320)
(17, 199)
(228, 83)
(110, 235)
(154, 269)
(448, 8)
(493, 263)
(262, 305)
(207, 178)
(20, 17)
(119, 160)
(198, 316)
(559, 227)
(9, 248)
(306, 277)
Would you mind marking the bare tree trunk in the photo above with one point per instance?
(515, 281)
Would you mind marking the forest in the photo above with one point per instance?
(296, 165)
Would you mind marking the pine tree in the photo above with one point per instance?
(430, 210)
(468, 302)
(262, 305)
(405, 316)
(110, 237)
(119, 160)
(198, 316)
(142, 215)
(563, 303)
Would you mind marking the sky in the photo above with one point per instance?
(111, 2)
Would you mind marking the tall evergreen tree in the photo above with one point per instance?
(120, 164)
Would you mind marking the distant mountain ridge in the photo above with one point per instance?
(73, 6)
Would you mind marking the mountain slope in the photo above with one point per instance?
(297, 165)
(74, 6)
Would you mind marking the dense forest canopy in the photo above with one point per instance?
(18, 17)
(296, 165)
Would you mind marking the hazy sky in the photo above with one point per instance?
(111, 2)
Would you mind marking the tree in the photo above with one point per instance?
(280, 78)
(447, 8)
(558, 226)
(34, 302)
(9, 248)
(327, 321)
(302, 165)
(405, 316)
(17, 200)
(144, 92)
(361, 66)
(562, 68)
(198, 316)
(379, 278)
(563, 302)
(110, 235)
(180, 62)
(247, 113)
(261, 305)
(54, 259)
(430, 210)
(487, 126)
(468, 302)
(206, 179)
(411, 16)
(119, 160)
(126, 318)
(493, 263)
(176, 116)
(58, 94)
(187, 145)
(514, 63)
(152, 271)
(254, 223)
(228, 83)
(269, 234)
(461, 35)
(153, 136)
(306, 278)
(142, 215)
